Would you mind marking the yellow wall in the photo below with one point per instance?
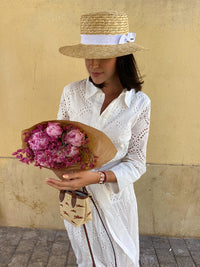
(33, 75)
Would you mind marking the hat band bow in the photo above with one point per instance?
(107, 39)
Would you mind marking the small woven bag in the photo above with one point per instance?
(75, 206)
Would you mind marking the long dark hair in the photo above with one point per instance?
(128, 72)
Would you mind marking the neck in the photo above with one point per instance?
(113, 88)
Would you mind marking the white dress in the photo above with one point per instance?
(126, 122)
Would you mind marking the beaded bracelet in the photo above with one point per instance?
(103, 177)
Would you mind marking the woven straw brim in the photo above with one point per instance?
(100, 51)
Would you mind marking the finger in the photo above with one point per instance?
(57, 182)
(59, 173)
(57, 186)
(74, 175)
(63, 185)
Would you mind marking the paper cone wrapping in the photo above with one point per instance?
(99, 143)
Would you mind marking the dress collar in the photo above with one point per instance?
(91, 89)
(126, 95)
(129, 95)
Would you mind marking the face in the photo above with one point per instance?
(102, 70)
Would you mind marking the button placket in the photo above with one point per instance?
(106, 112)
(97, 102)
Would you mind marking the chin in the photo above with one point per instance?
(97, 82)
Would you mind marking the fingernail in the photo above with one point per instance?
(65, 176)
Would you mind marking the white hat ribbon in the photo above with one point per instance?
(107, 39)
(129, 37)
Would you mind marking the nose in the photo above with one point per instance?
(94, 63)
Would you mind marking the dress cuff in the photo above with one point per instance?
(126, 174)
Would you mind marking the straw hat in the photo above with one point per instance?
(103, 35)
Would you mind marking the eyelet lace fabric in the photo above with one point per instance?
(126, 122)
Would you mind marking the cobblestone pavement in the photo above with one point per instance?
(22, 247)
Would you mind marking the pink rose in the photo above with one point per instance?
(75, 138)
(54, 129)
(42, 159)
(58, 155)
(72, 151)
(38, 141)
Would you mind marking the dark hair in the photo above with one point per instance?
(128, 72)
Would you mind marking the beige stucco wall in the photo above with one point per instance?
(168, 199)
(33, 75)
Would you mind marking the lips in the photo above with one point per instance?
(96, 74)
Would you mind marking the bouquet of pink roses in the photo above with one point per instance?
(64, 144)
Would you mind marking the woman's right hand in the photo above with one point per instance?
(61, 172)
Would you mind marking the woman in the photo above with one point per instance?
(111, 101)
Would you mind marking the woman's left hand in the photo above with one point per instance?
(74, 181)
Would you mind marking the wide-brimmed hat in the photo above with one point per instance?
(103, 35)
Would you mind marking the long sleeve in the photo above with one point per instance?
(133, 165)
(62, 112)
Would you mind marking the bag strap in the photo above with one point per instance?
(105, 230)
(84, 189)
(93, 263)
